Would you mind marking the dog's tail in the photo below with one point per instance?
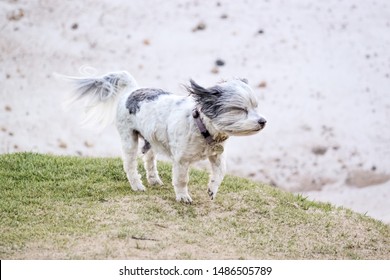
(100, 95)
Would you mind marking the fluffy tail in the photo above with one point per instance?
(100, 95)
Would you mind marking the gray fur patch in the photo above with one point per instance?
(210, 99)
(140, 95)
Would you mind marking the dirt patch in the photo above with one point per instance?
(366, 178)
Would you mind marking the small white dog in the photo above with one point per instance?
(186, 128)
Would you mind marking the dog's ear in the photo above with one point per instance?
(196, 89)
(208, 99)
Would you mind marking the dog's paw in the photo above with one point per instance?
(186, 198)
(211, 194)
(155, 181)
(138, 187)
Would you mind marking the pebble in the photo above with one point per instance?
(219, 62)
(215, 70)
(75, 26)
(319, 150)
(199, 27)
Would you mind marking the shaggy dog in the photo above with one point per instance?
(186, 128)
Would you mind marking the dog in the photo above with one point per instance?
(185, 128)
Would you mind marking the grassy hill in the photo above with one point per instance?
(54, 207)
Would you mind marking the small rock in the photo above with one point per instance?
(75, 26)
(262, 84)
(261, 31)
(215, 70)
(146, 42)
(8, 108)
(319, 150)
(224, 16)
(62, 144)
(199, 27)
(219, 62)
(88, 144)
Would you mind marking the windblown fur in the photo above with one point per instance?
(100, 95)
(165, 123)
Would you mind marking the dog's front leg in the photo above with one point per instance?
(180, 180)
(218, 168)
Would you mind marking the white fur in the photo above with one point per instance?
(100, 102)
(167, 123)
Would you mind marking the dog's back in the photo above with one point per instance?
(164, 113)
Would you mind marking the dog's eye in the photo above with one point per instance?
(238, 109)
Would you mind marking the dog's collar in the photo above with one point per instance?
(202, 128)
(214, 141)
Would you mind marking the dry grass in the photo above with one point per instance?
(82, 208)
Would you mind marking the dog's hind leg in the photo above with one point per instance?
(151, 168)
(180, 180)
(130, 148)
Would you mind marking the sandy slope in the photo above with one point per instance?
(321, 72)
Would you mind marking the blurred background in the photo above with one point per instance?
(320, 70)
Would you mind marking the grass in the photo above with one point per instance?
(54, 207)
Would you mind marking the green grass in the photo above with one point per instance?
(54, 207)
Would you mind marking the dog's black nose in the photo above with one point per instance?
(262, 122)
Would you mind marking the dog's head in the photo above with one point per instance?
(231, 106)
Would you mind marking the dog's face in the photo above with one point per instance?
(231, 106)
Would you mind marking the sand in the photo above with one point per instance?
(320, 70)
